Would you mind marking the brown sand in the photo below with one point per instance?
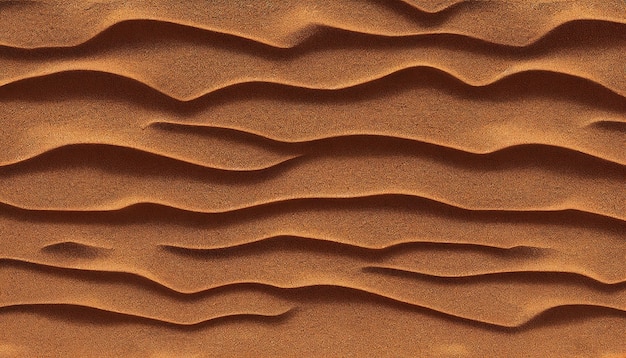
(313, 178)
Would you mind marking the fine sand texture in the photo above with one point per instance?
(313, 178)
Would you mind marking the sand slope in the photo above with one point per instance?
(320, 178)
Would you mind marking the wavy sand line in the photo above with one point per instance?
(122, 35)
(134, 293)
(306, 148)
(184, 67)
(120, 317)
(259, 317)
(153, 285)
(350, 172)
(123, 204)
(243, 166)
(510, 314)
(272, 318)
(301, 142)
(555, 333)
(342, 246)
(209, 86)
(166, 275)
(395, 114)
(386, 270)
(161, 210)
(407, 218)
(515, 114)
(434, 259)
(298, 256)
(311, 145)
(270, 26)
(137, 31)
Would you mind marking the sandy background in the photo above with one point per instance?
(325, 178)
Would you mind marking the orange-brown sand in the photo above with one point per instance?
(323, 178)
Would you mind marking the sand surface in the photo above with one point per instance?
(324, 178)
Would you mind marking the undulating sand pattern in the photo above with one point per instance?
(332, 178)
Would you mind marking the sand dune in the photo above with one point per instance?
(322, 178)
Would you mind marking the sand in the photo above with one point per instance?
(323, 178)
